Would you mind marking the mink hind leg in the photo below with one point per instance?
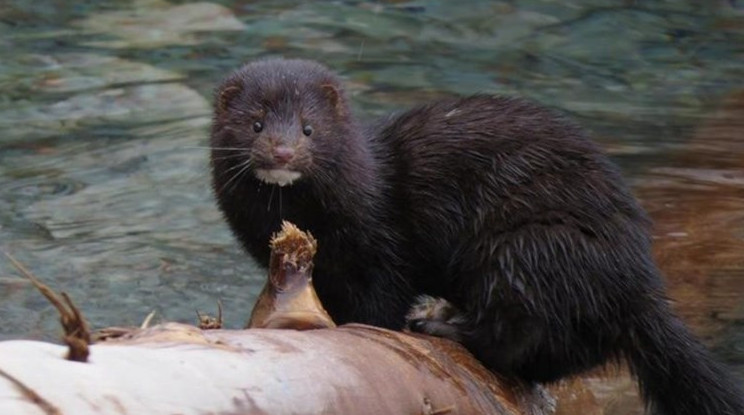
(500, 346)
(508, 340)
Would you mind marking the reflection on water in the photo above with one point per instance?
(104, 111)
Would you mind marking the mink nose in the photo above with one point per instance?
(283, 154)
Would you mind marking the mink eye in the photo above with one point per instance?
(307, 130)
(257, 126)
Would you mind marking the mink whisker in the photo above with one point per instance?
(271, 197)
(280, 202)
(212, 148)
(239, 165)
(245, 167)
(231, 156)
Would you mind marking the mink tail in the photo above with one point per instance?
(677, 375)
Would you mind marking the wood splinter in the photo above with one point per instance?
(207, 322)
(77, 334)
(111, 333)
(430, 410)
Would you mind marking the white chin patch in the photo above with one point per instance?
(282, 177)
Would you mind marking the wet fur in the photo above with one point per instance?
(501, 207)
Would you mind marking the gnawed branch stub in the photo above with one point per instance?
(288, 299)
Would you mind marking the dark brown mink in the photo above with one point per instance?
(499, 206)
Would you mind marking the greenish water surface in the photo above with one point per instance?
(105, 108)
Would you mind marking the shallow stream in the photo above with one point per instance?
(105, 107)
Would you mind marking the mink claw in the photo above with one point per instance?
(436, 317)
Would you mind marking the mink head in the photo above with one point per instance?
(281, 120)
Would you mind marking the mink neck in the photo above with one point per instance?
(352, 192)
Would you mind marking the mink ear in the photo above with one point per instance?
(226, 95)
(334, 97)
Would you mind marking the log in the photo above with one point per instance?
(177, 368)
(302, 364)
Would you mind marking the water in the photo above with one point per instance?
(104, 114)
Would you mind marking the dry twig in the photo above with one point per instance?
(77, 334)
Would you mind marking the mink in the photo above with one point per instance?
(504, 209)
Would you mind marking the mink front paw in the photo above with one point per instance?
(436, 317)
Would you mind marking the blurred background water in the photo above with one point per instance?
(105, 108)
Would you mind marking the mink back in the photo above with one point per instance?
(468, 172)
